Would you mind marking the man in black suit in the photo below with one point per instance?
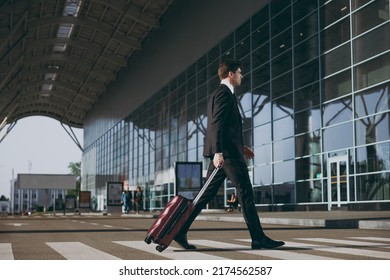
(224, 145)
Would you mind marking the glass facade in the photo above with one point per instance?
(315, 106)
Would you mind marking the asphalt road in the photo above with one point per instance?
(106, 237)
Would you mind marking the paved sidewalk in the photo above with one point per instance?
(328, 219)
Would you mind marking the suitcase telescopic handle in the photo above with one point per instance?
(203, 189)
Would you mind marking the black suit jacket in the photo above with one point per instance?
(224, 125)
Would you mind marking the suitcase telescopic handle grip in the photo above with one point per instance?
(204, 188)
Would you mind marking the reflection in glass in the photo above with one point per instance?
(337, 111)
(263, 195)
(373, 158)
(262, 134)
(308, 144)
(338, 137)
(306, 51)
(309, 191)
(262, 154)
(283, 128)
(335, 35)
(307, 97)
(372, 43)
(370, 16)
(284, 171)
(373, 129)
(282, 106)
(373, 187)
(372, 72)
(261, 106)
(262, 175)
(333, 11)
(281, 43)
(372, 101)
(336, 60)
(284, 193)
(337, 86)
(284, 149)
(308, 120)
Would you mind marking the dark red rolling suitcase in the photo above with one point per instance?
(174, 215)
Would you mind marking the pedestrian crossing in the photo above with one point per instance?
(296, 249)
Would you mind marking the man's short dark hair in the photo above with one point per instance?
(226, 66)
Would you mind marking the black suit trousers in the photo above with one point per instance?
(236, 170)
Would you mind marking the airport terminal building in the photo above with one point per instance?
(315, 101)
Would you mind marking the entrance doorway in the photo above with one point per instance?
(338, 181)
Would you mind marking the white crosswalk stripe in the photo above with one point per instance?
(169, 253)
(340, 250)
(79, 251)
(275, 254)
(6, 251)
(297, 249)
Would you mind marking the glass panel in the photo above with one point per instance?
(283, 106)
(358, 3)
(260, 37)
(262, 154)
(284, 171)
(335, 35)
(281, 64)
(281, 43)
(283, 128)
(260, 56)
(372, 101)
(302, 8)
(308, 144)
(337, 86)
(307, 97)
(336, 60)
(260, 18)
(262, 134)
(310, 191)
(305, 28)
(284, 149)
(364, 47)
(338, 137)
(263, 195)
(373, 129)
(261, 75)
(261, 106)
(243, 31)
(373, 158)
(277, 6)
(306, 74)
(333, 11)
(373, 187)
(262, 175)
(243, 48)
(281, 21)
(308, 168)
(337, 111)
(370, 16)
(282, 85)
(372, 72)
(306, 51)
(284, 193)
(308, 120)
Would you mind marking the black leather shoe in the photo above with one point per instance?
(266, 243)
(183, 242)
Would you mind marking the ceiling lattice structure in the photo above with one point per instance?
(58, 56)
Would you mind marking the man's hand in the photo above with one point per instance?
(248, 153)
(218, 160)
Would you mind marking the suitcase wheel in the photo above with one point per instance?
(161, 248)
(148, 239)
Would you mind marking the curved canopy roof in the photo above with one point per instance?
(58, 56)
